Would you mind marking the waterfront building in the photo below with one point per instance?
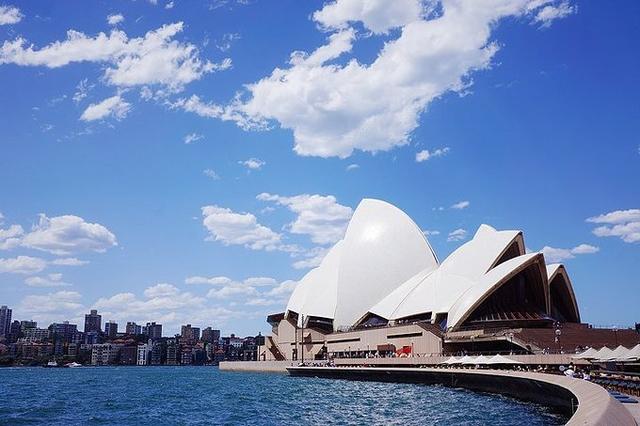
(93, 322)
(14, 331)
(92, 337)
(152, 330)
(173, 349)
(36, 334)
(158, 353)
(210, 335)
(63, 331)
(104, 353)
(128, 355)
(133, 329)
(24, 324)
(198, 356)
(111, 329)
(382, 290)
(143, 355)
(189, 334)
(5, 322)
(186, 356)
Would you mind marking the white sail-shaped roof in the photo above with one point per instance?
(385, 266)
(558, 270)
(382, 249)
(474, 258)
(321, 301)
(436, 291)
(472, 298)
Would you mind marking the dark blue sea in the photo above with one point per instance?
(204, 395)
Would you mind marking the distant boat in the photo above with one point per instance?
(51, 364)
(73, 365)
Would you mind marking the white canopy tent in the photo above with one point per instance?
(616, 353)
(468, 360)
(499, 359)
(588, 354)
(451, 361)
(602, 354)
(631, 355)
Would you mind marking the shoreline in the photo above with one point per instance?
(583, 402)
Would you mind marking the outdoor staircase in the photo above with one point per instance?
(274, 349)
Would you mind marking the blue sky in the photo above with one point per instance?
(188, 163)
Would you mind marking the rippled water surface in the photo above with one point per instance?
(205, 395)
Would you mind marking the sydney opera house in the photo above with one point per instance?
(382, 290)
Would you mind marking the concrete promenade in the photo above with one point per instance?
(590, 404)
(281, 366)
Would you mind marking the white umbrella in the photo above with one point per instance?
(482, 360)
(452, 360)
(632, 354)
(468, 360)
(499, 359)
(588, 354)
(617, 352)
(602, 354)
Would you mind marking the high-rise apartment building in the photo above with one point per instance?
(111, 329)
(5, 322)
(93, 322)
(152, 330)
(133, 328)
(190, 334)
(210, 335)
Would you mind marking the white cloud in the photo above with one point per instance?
(457, 235)
(211, 281)
(161, 290)
(68, 261)
(211, 174)
(379, 16)
(22, 265)
(320, 217)
(115, 19)
(425, 154)
(253, 163)
(61, 305)
(231, 291)
(82, 90)
(353, 166)
(10, 15)
(169, 5)
(154, 59)
(231, 228)
(10, 237)
(62, 235)
(192, 137)
(114, 106)
(285, 288)
(552, 10)
(624, 224)
(334, 108)
(553, 254)
(313, 256)
(227, 40)
(429, 233)
(461, 205)
(51, 280)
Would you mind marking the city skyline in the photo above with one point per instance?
(188, 164)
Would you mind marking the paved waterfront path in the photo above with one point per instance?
(595, 405)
